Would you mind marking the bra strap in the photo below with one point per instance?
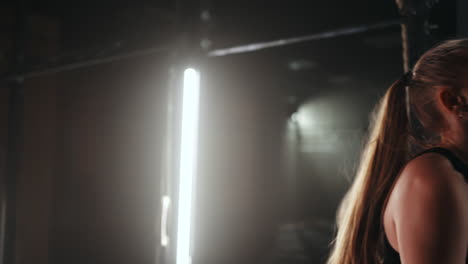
(457, 163)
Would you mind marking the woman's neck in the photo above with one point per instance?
(459, 148)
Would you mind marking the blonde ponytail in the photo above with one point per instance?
(359, 219)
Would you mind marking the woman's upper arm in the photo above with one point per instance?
(431, 214)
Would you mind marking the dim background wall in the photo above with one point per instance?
(106, 194)
(88, 188)
(37, 149)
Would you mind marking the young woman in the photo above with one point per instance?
(409, 200)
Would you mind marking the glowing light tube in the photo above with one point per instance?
(188, 157)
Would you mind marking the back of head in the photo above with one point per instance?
(444, 65)
(406, 114)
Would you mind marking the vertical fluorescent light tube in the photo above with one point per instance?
(188, 155)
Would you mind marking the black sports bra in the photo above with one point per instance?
(391, 256)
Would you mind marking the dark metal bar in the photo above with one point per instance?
(14, 144)
(289, 41)
(415, 31)
(88, 63)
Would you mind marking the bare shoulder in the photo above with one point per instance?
(429, 211)
(430, 179)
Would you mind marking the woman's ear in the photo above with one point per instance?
(451, 103)
(447, 100)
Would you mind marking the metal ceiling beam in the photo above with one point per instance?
(295, 40)
(86, 63)
(213, 53)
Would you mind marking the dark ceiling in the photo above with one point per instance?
(96, 26)
(233, 22)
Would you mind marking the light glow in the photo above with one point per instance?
(166, 203)
(188, 157)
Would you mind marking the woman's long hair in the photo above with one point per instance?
(359, 219)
